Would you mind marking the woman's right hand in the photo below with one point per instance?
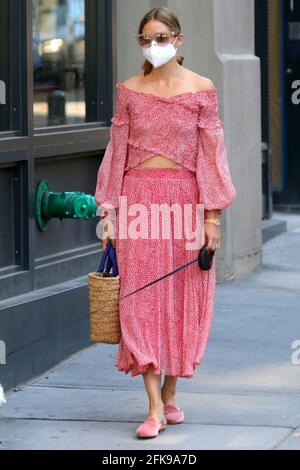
(106, 240)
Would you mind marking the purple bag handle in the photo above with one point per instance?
(113, 259)
(103, 259)
(109, 255)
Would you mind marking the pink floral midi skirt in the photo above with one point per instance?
(166, 325)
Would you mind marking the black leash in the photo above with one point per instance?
(166, 275)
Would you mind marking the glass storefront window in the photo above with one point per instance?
(59, 62)
(5, 109)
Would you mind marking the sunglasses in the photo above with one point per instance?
(145, 40)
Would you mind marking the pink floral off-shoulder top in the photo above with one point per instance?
(185, 128)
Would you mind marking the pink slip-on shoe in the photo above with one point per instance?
(173, 414)
(150, 428)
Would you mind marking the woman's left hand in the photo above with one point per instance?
(212, 236)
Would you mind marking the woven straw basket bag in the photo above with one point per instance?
(104, 288)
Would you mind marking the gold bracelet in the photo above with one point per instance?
(214, 221)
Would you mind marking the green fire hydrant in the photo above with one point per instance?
(64, 205)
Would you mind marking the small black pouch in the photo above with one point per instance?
(205, 258)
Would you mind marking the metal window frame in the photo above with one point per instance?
(23, 147)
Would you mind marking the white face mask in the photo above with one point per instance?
(159, 55)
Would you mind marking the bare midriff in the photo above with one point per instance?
(158, 161)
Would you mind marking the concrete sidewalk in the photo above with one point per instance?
(245, 394)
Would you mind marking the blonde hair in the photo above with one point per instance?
(170, 19)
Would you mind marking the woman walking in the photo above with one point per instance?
(166, 149)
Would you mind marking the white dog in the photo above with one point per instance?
(2, 396)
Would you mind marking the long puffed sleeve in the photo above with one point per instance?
(111, 170)
(216, 188)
